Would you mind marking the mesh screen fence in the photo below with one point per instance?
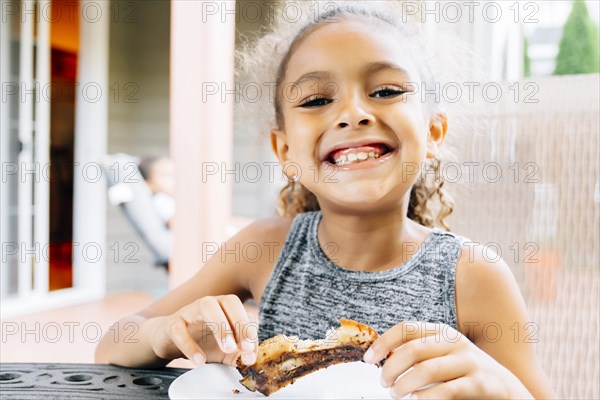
(527, 186)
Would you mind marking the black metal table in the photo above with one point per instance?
(84, 381)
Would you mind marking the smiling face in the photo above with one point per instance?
(350, 122)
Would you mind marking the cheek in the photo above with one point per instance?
(411, 128)
(302, 141)
(301, 149)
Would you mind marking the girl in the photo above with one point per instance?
(357, 238)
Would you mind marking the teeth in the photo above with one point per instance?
(353, 158)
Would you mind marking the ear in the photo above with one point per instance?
(279, 145)
(438, 126)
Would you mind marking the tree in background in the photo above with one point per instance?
(579, 51)
(526, 59)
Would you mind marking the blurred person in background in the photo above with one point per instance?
(159, 174)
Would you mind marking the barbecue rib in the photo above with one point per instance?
(283, 359)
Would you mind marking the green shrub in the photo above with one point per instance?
(579, 46)
(526, 59)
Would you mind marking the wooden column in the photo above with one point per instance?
(201, 128)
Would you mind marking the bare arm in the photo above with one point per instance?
(492, 313)
(176, 325)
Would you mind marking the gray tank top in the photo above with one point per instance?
(307, 293)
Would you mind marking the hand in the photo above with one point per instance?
(211, 329)
(439, 354)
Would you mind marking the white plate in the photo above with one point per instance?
(355, 380)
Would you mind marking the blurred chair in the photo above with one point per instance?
(128, 189)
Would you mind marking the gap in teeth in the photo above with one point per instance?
(353, 158)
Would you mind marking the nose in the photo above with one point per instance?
(355, 114)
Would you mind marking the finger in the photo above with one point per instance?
(245, 331)
(208, 310)
(460, 388)
(185, 342)
(402, 333)
(411, 353)
(431, 371)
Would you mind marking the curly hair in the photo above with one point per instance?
(266, 60)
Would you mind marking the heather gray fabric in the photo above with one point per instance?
(307, 293)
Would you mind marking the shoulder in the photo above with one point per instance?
(482, 265)
(486, 291)
(266, 237)
(273, 229)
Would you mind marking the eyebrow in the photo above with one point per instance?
(370, 68)
(314, 75)
(379, 66)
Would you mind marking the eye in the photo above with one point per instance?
(387, 91)
(315, 101)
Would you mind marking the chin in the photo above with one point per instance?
(359, 200)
